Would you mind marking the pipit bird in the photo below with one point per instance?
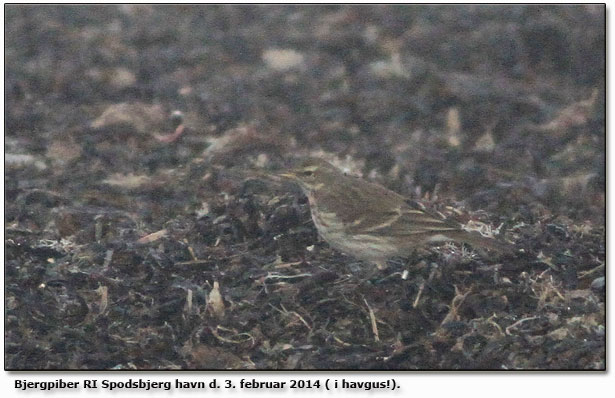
(370, 222)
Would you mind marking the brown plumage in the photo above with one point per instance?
(371, 222)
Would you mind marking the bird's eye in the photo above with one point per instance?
(307, 173)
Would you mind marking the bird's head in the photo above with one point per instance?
(313, 173)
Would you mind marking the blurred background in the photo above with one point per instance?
(132, 133)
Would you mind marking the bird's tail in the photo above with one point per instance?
(477, 240)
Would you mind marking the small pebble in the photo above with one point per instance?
(599, 283)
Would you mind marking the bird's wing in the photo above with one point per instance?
(401, 222)
(391, 214)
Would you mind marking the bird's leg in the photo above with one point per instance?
(415, 257)
(367, 272)
(380, 267)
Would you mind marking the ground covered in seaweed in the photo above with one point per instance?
(139, 235)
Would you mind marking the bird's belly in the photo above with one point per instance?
(328, 224)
